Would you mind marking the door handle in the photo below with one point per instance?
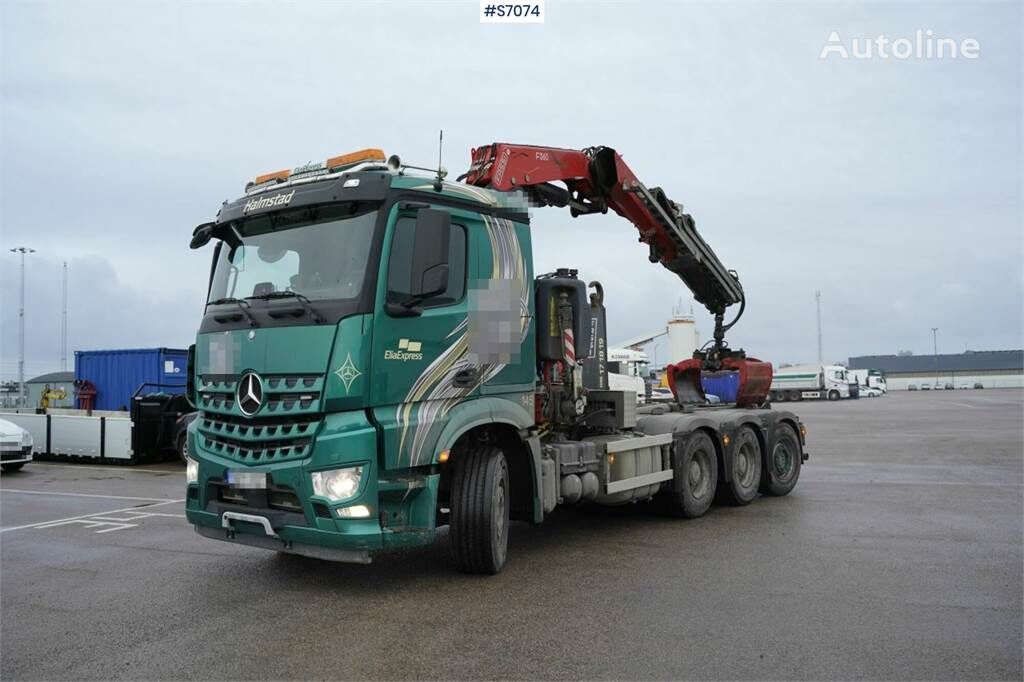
(466, 377)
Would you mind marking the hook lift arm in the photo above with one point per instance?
(597, 179)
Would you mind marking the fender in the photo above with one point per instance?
(720, 423)
(495, 410)
(473, 413)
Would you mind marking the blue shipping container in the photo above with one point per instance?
(117, 374)
(726, 385)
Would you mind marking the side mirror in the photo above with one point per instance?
(190, 377)
(201, 235)
(430, 253)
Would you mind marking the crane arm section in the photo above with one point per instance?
(597, 179)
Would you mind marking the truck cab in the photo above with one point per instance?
(357, 323)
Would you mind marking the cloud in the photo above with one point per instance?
(894, 187)
(105, 311)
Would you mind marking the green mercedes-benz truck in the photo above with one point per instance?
(377, 360)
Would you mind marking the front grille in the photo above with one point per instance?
(282, 429)
(266, 451)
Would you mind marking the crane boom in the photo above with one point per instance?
(597, 179)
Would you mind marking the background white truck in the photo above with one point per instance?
(872, 378)
(627, 371)
(805, 382)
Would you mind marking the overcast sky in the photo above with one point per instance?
(893, 186)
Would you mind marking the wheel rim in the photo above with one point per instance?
(746, 465)
(699, 474)
(783, 461)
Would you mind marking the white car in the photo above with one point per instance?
(870, 392)
(15, 446)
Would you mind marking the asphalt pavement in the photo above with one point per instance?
(898, 556)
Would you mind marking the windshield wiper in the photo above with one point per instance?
(242, 305)
(303, 301)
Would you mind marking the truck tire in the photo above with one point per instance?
(833, 394)
(181, 447)
(696, 477)
(745, 477)
(480, 510)
(11, 468)
(783, 463)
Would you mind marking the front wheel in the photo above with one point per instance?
(480, 510)
(783, 465)
(11, 468)
(182, 448)
(833, 395)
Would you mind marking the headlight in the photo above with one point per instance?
(337, 485)
(191, 470)
(26, 439)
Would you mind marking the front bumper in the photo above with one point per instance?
(288, 517)
(10, 455)
(276, 543)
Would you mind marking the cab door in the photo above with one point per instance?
(420, 368)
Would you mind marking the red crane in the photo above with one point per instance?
(597, 179)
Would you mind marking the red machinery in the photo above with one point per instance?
(86, 392)
(597, 179)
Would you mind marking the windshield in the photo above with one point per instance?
(321, 253)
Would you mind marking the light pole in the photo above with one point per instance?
(21, 327)
(817, 300)
(935, 353)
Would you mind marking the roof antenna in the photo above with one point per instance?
(442, 172)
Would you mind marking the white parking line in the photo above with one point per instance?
(85, 516)
(105, 497)
(124, 469)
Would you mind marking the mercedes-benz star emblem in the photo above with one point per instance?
(250, 394)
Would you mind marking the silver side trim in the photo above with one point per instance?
(349, 556)
(638, 481)
(627, 444)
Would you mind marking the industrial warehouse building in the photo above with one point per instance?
(54, 380)
(990, 368)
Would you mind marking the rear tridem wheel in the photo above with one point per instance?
(784, 460)
(745, 475)
(696, 477)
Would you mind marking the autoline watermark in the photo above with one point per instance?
(923, 45)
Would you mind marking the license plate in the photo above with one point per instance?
(247, 479)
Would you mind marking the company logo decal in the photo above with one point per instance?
(249, 394)
(407, 350)
(281, 199)
(348, 372)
